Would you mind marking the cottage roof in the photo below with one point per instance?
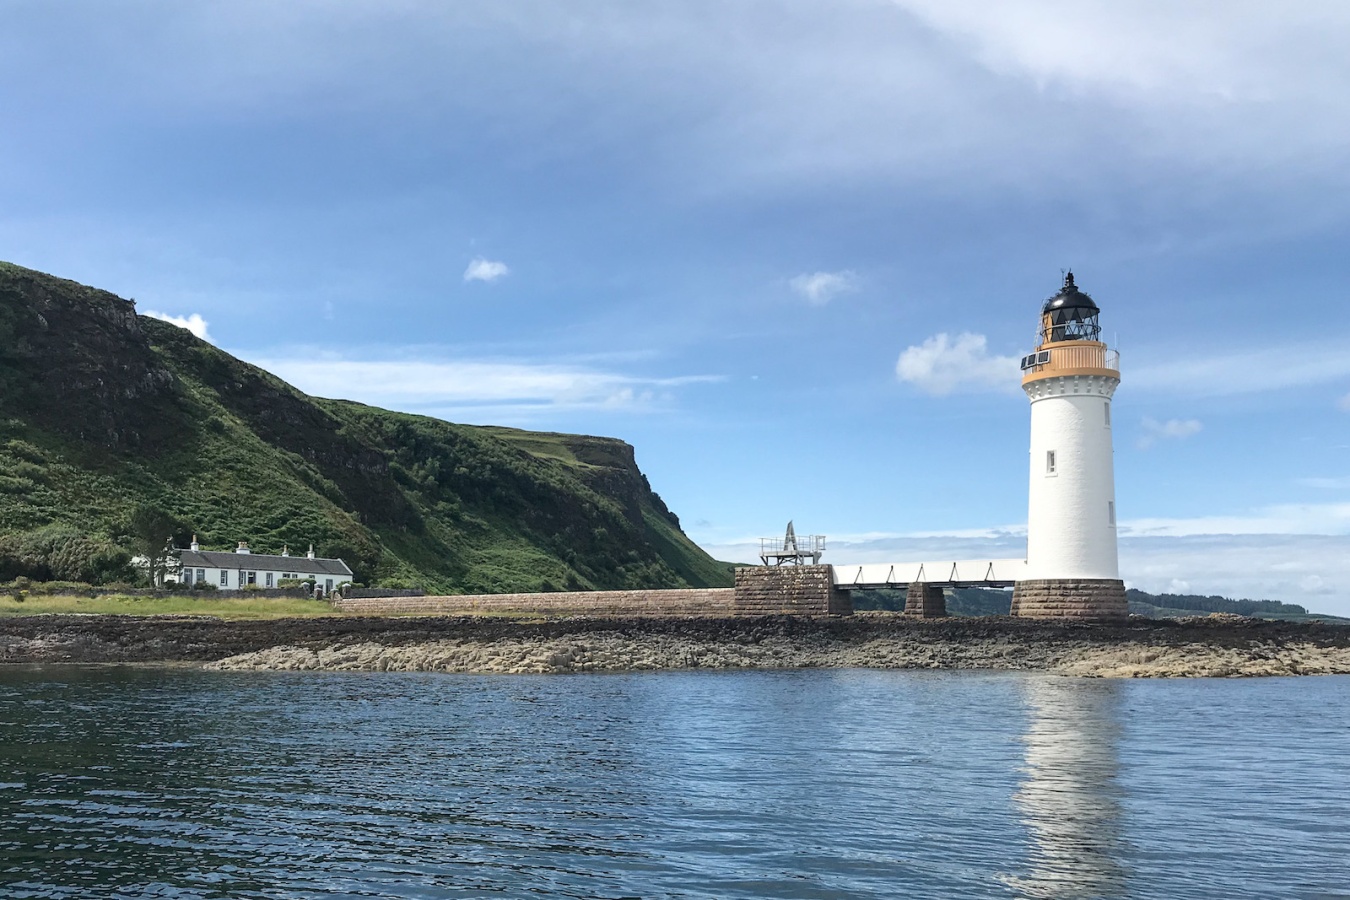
(300, 565)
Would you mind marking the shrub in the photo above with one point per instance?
(59, 553)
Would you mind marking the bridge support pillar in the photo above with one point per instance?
(925, 601)
(1077, 599)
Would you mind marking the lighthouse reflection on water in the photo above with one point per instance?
(1069, 797)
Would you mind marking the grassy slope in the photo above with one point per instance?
(122, 605)
(596, 457)
(101, 409)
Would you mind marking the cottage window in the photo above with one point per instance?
(269, 579)
(187, 576)
(201, 574)
(252, 577)
(224, 577)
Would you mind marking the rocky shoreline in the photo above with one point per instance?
(1223, 646)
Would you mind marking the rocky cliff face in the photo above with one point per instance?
(101, 409)
(76, 360)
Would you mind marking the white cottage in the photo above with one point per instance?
(243, 567)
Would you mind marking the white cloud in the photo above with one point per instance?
(1172, 429)
(942, 365)
(193, 323)
(479, 386)
(973, 94)
(1308, 569)
(1326, 484)
(1283, 518)
(487, 270)
(824, 85)
(1246, 371)
(820, 288)
(1137, 48)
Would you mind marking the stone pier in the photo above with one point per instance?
(925, 601)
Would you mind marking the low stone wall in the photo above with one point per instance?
(685, 602)
(1084, 599)
(72, 589)
(790, 590)
(368, 593)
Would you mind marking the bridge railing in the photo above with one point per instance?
(957, 573)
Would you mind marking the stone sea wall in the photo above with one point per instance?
(1211, 646)
(759, 591)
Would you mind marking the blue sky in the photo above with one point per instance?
(715, 229)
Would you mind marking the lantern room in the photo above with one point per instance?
(1070, 315)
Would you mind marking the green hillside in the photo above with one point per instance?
(102, 410)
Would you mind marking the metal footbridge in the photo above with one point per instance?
(798, 551)
(986, 573)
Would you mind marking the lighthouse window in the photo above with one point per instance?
(1111, 512)
(1108, 414)
(1049, 462)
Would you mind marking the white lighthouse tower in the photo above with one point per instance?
(1071, 568)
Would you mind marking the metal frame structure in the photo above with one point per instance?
(792, 550)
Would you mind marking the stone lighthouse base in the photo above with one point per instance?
(1082, 599)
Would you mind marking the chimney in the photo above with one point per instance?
(242, 548)
(194, 546)
(310, 554)
(285, 551)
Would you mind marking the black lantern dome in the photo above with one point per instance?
(1070, 315)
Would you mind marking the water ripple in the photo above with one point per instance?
(799, 784)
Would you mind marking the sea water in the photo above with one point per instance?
(123, 782)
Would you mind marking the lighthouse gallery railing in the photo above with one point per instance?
(1079, 356)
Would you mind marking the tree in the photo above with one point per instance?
(152, 529)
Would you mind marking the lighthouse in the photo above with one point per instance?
(1072, 570)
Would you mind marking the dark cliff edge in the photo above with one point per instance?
(102, 409)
